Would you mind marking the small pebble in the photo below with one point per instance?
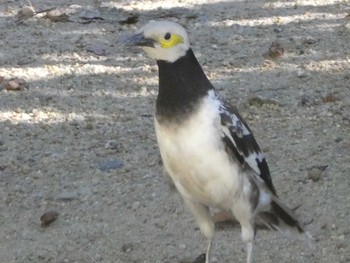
(182, 246)
(314, 174)
(131, 19)
(305, 101)
(301, 73)
(111, 144)
(135, 205)
(67, 196)
(48, 218)
(277, 30)
(310, 41)
(97, 50)
(56, 15)
(127, 248)
(200, 259)
(338, 139)
(25, 12)
(110, 165)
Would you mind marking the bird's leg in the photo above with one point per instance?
(246, 219)
(249, 251)
(205, 222)
(207, 254)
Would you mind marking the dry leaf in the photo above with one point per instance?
(275, 50)
(16, 84)
(329, 98)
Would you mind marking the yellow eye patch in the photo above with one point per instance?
(171, 42)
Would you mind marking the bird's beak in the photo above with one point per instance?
(140, 41)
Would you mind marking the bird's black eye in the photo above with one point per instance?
(167, 36)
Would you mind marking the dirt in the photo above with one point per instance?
(80, 173)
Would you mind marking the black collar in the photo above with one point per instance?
(181, 86)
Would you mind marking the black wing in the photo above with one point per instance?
(239, 140)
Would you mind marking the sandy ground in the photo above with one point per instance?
(77, 138)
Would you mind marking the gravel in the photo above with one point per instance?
(74, 100)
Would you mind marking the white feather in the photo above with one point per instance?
(195, 158)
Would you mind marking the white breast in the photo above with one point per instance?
(194, 156)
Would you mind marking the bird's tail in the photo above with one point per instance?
(281, 218)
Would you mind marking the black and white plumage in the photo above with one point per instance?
(207, 148)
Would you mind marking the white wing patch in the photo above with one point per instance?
(239, 128)
(236, 122)
(252, 161)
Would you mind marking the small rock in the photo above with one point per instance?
(111, 144)
(200, 259)
(182, 246)
(314, 174)
(266, 149)
(304, 101)
(277, 30)
(310, 41)
(301, 73)
(67, 196)
(128, 247)
(338, 139)
(110, 165)
(25, 12)
(131, 19)
(340, 244)
(90, 15)
(89, 126)
(135, 205)
(57, 15)
(308, 222)
(260, 101)
(48, 218)
(97, 50)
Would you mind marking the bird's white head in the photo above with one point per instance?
(162, 40)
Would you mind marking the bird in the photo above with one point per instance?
(206, 147)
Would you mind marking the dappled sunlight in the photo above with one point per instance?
(50, 115)
(281, 20)
(79, 98)
(51, 71)
(296, 4)
(54, 71)
(83, 31)
(329, 65)
(164, 4)
(39, 116)
(47, 72)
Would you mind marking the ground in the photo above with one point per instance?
(77, 138)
